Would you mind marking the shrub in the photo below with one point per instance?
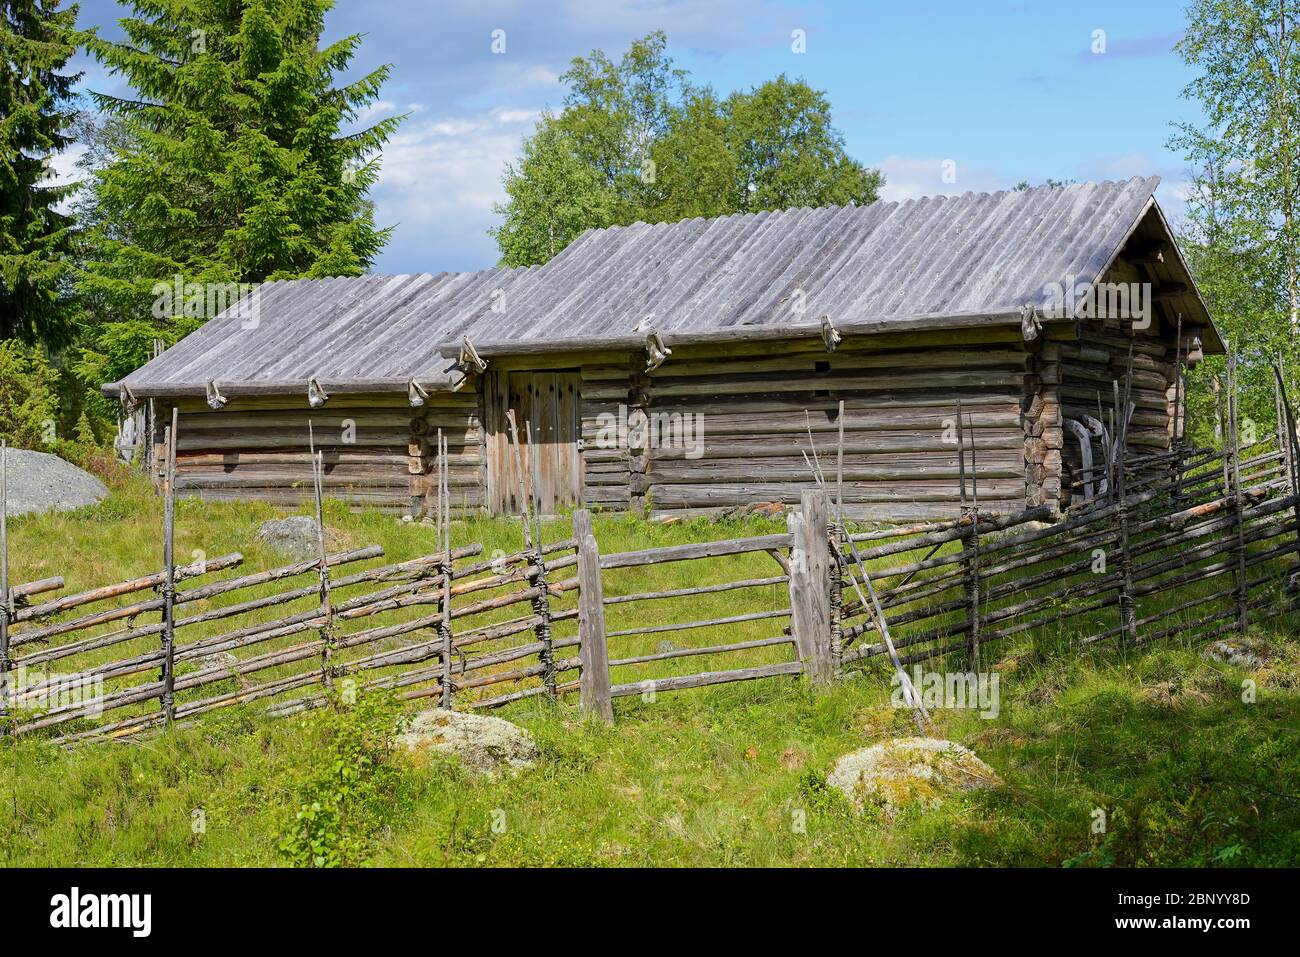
(347, 801)
(28, 402)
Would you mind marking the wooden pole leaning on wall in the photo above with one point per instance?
(593, 651)
(169, 573)
(810, 613)
(6, 600)
(327, 632)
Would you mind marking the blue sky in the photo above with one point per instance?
(1006, 90)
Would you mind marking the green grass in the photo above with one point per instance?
(1159, 738)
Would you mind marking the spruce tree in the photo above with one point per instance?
(36, 41)
(232, 162)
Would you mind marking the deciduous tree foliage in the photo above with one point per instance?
(37, 38)
(1242, 230)
(229, 162)
(637, 140)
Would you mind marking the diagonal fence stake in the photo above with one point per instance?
(873, 607)
(1238, 499)
(971, 563)
(1293, 474)
(327, 631)
(169, 575)
(542, 603)
(529, 514)
(444, 619)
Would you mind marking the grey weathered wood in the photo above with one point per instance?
(697, 590)
(168, 678)
(681, 553)
(706, 650)
(594, 682)
(810, 611)
(702, 623)
(706, 678)
(445, 610)
(323, 571)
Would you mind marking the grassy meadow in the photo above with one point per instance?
(1158, 738)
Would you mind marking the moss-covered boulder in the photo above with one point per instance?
(483, 744)
(909, 771)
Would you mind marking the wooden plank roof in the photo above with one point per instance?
(929, 262)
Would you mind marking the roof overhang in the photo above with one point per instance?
(190, 390)
(635, 341)
(1191, 304)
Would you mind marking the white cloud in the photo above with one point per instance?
(438, 182)
(63, 166)
(63, 170)
(375, 111)
(911, 177)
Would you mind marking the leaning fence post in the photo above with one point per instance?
(323, 568)
(810, 611)
(971, 563)
(1233, 480)
(836, 567)
(444, 622)
(593, 685)
(6, 601)
(838, 530)
(1293, 475)
(169, 574)
(530, 514)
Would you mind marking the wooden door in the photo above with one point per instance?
(546, 406)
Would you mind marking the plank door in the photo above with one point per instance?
(547, 404)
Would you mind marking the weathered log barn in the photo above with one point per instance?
(680, 368)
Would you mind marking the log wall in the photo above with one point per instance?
(378, 451)
(1084, 361)
(727, 427)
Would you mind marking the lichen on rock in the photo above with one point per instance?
(909, 772)
(483, 744)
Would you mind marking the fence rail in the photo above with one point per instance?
(1193, 542)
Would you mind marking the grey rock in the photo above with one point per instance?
(483, 744)
(40, 482)
(1250, 653)
(294, 537)
(666, 646)
(909, 771)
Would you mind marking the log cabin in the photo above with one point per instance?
(696, 367)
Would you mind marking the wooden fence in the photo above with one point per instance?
(1190, 542)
